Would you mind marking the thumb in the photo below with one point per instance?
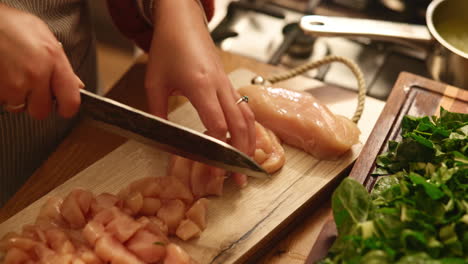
(157, 101)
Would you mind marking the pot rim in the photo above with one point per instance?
(430, 24)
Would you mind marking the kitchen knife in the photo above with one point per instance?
(167, 135)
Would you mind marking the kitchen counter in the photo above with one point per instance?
(86, 144)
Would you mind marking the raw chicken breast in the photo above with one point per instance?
(268, 153)
(300, 120)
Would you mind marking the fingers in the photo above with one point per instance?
(65, 86)
(211, 114)
(158, 97)
(39, 101)
(249, 118)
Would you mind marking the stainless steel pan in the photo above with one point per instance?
(447, 59)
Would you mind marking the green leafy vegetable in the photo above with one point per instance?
(418, 211)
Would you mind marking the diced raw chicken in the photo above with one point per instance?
(92, 231)
(206, 180)
(150, 206)
(109, 249)
(147, 246)
(16, 256)
(187, 229)
(140, 184)
(17, 241)
(300, 120)
(50, 213)
(171, 213)
(157, 224)
(123, 227)
(269, 153)
(58, 241)
(154, 225)
(34, 232)
(174, 189)
(134, 202)
(107, 215)
(176, 255)
(88, 256)
(103, 201)
(197, 213)
(84, 199)
(153, 189)
(71, 210)
(179, 168)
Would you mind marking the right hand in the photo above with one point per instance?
(34, 68)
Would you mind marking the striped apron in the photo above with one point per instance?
(24, 142)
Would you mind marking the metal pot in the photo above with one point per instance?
(446, 60)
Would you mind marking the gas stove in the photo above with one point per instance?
(268, 31)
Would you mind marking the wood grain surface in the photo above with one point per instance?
(411, 95)
(87, 145)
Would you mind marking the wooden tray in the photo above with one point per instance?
(411, 95)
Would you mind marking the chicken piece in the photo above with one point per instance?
(84, 199)
(71, 210)
(50, 215)
(268, 153)
(141, 184)
(59, 242)
(34, 232)
(179, 168)
(43, 252)
(187, 229)
(16, 256)
(176, 255)
(110, 250)
(87, 255)
(134, 202)
(206, 180)
(107, 215)
(147, 246)
(197, 213)
(172, 188)
(153, 189)
(123, 227)
(103, 201)
(171, 213)
(300, 120)
(158, 224)
(17, 241)
(93, 231)
(150, 206)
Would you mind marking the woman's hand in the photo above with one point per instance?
(34, 67)
(183, 60)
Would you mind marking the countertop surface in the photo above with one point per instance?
(86, 144)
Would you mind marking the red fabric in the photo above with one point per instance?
(127, 18)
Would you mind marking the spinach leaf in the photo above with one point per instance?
(417, 211)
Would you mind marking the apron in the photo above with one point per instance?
(26, 143)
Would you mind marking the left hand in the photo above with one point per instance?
(183, 59)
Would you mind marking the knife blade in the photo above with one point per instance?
(166, 135)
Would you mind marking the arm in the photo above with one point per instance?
(183, 60)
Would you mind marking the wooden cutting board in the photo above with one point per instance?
(411, 95)
(241, 221)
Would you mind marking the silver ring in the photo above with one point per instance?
(243, 98)
(60, 44)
